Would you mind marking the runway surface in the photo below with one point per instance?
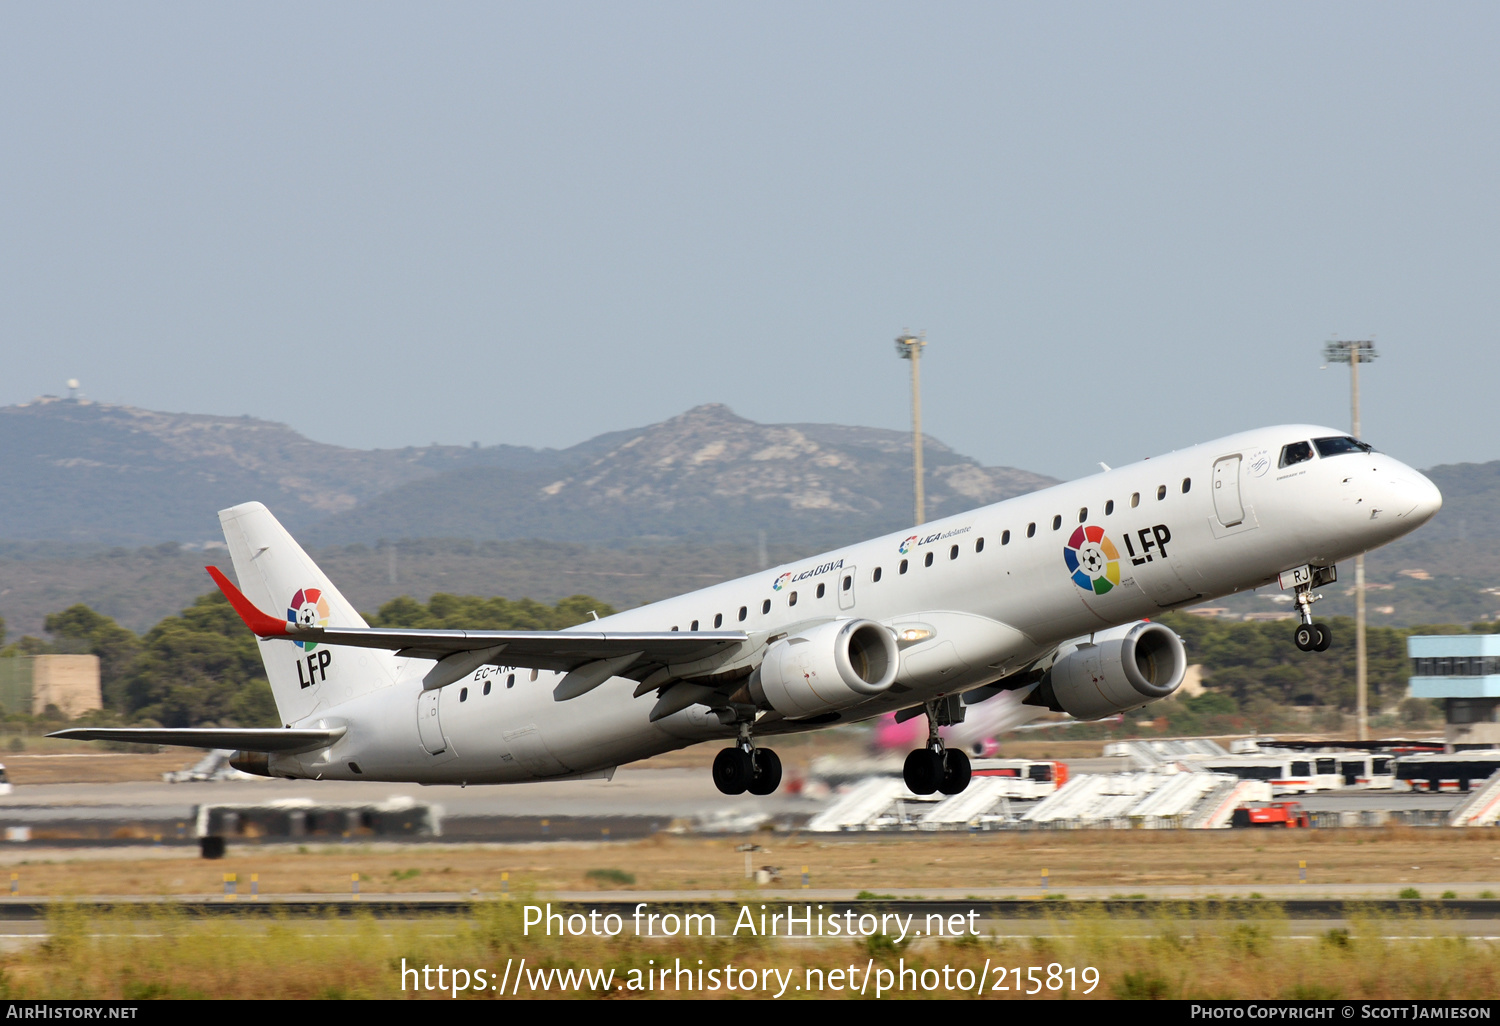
(661, 793)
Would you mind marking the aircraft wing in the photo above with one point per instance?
(250, 739)
(465, 651)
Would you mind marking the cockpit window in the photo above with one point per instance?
(1297, 452)
(1339, 446)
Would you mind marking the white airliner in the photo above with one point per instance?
(1046, 593)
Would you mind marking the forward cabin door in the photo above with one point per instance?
(1227, 505)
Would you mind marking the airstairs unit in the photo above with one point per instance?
(882, 803)
(1152, 755)
(1481, 808)
(1147, 800)
(986, 802)
(861, 806)
(1164, 800)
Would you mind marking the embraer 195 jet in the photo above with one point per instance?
(1047, 594)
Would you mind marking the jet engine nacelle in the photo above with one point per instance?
(1103, 678)
(826, 668)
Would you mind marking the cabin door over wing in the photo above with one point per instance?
(428, 725)
(1227, 505)
(847, 577)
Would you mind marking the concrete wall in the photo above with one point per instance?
(70, 682)
(1473, 734)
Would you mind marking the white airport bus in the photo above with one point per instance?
(1293, 773)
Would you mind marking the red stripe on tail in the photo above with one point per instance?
(263, 625)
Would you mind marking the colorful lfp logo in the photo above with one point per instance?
(1093, 560)
(308, 608)
(906, 545)
(781, 582)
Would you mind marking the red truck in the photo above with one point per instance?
(1270, 814)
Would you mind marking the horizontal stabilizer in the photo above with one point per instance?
(249, 739)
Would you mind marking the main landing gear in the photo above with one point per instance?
(936, 767)
(1309, 636)
(747, 768)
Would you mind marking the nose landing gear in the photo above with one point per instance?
(936, 767)
(1309, 636)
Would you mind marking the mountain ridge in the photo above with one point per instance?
(81, 471)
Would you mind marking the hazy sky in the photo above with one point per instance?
(1125, 227)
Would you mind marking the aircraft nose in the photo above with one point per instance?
(1423, 496)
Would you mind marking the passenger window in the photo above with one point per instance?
(903, 566)
(928, 560)
(1187, 483)
(744, 612)
(463, 694)
(1109, 507)
(718, 620)
(848, 581)
(694, 626)
(674, 626)
(792, 599)
(1296, 452)
(1161, 492)
(979, 545)
(535, 672)
(765, 607)
(876, 575)
(1031, 530)
(1057, 522)
(1083, 514)
(1135, 499)
(953, 552)
(510, 681)
(820, 591)
(487, 686)
(1004, 537)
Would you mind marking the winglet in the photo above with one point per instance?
(263, 625)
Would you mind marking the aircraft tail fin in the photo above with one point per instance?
(276, 575)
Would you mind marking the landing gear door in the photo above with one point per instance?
(1227, 505)
(847, 576)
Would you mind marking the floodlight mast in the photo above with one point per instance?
(1355, 353)
(909, 347)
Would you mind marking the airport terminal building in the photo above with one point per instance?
(1464, 671)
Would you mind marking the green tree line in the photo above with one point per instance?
(202, 667)
(1253, 672)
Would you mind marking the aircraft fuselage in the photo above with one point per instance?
(993, 589)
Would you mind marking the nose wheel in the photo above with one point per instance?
(1313, 637)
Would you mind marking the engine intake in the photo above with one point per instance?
(826, 668)
(1097, 680)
